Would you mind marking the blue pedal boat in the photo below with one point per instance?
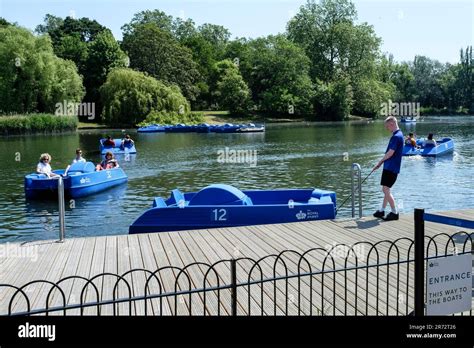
(222, 205)
(442, 147)
(226, 128)
(117, 149)
(152, 128)
(82, 180)
(179, 128)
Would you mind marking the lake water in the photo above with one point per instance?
(296, 155)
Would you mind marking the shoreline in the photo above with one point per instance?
(219, 118)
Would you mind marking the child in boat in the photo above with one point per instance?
(108, 163)
(430, 141)
(127, 142)
(410, 140)
(109, 141)
(77, 159)
(44, 166)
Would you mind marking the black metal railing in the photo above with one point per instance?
(361, 279)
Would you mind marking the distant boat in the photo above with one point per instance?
(251, 128)
(222, 205)
(117, 149)
(153, 128)
(82, 180)
(442, 147)
(408, 119)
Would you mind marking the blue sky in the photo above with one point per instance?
(435, 28)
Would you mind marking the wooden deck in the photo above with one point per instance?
(379, 290)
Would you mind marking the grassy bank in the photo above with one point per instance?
(220, 117)
(36, 123)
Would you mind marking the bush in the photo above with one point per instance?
(171, 118)
(37, 123)
(130, 96)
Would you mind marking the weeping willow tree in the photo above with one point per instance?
(130, 96)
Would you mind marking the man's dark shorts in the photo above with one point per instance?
(388, 178)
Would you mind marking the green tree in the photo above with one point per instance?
(57, 28)
(426, 73)
(277, 72)
(156, 52)
(333, 100)
(89, 45)
(231, 91)
(130, 96)
(32, 78)
(4, 22)
(336, 47)
(104, 54)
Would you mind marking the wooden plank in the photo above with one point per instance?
(166, 256)
(190, 252)
(176, 259)
(149, 263)
(97, 267)
(123, 266)
(19, 270)
(138, 278)
(110, 266)
(214, 252)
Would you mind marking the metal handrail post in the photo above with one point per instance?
(352, 191)
(62, 209)
(360, 192)
(356, 167)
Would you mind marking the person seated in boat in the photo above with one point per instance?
(109, 141)
(127, 142)
(77, 159)
(44, 166)
(410, 140)
(430, 141)
(108, 163)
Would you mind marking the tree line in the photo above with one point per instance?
(325, 66)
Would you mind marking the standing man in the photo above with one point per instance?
(391, 167)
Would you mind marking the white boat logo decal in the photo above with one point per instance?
(85, 181)
(301, 215)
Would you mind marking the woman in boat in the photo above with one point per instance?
(108, 163)
(44, 166)
(127, 142)
(109, 141)
(410, 140)
(430, 141)
(77, 159)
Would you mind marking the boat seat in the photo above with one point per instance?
(159, 202)
(81, 167)
(175, 197)
(220, 194)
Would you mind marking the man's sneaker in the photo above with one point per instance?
(379, 214)
(391, 216)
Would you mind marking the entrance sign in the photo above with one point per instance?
(449, 285)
